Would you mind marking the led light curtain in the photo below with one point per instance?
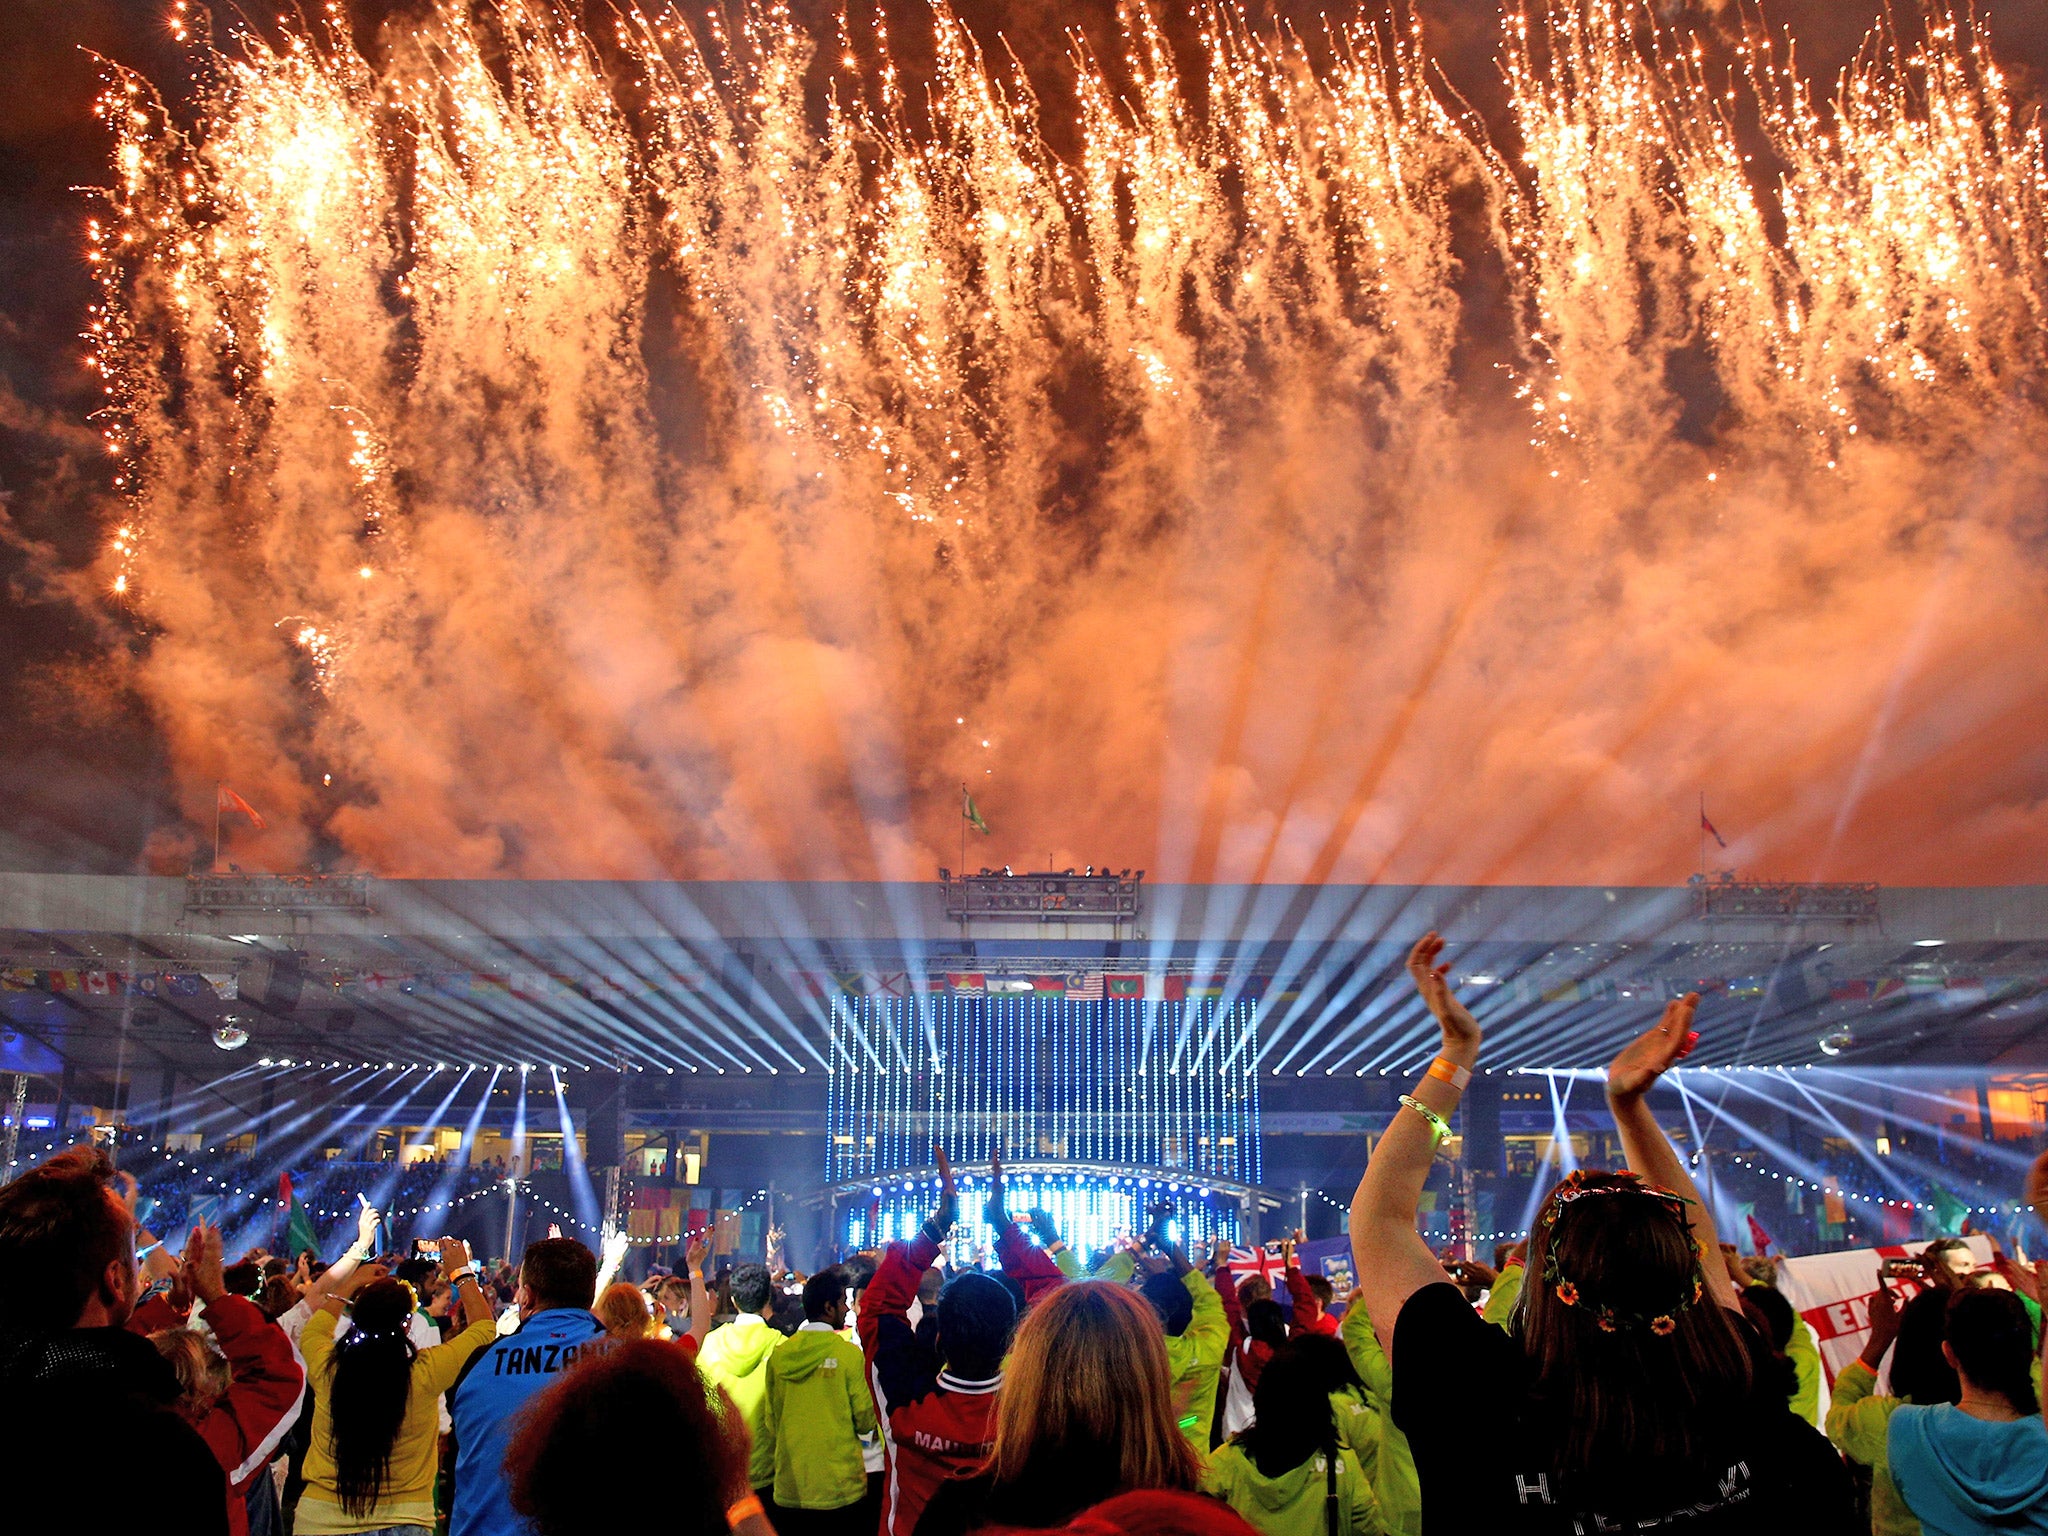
(1121, 1084)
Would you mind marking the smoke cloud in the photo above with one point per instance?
(669, 453)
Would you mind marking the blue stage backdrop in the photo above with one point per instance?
(1098, 1107)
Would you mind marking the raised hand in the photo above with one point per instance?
(949, 1196)
(695, 1252)
(1431, 977)
(1042, 1223)
(203, 1264)
(454, 1255)
(1654, 1052)
(366, 1227)
(995, 1212)
(1884, 1321)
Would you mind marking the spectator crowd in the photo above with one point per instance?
(1619, 1370)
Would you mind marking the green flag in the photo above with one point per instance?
(967, 810)
(1949, 1212)
(299, 1236)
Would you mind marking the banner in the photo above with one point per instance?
(1832, 1291)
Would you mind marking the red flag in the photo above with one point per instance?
(1759, 1236)
(1709, 828)
(225, 799)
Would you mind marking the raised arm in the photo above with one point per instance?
(1630, 1077)
(702, 1308)
(1032, 1268)
(365, 1244)
(1387, 1253)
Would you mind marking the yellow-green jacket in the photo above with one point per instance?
(1292, 1504)
(1396, 1486)
(1500, 1301)
(735, 1357)
(819, 1406)
(1196, 1359)
(1859, 1423)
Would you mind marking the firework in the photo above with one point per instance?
(709, 427)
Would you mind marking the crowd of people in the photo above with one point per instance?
(1618, 1370)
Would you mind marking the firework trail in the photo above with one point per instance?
(693, 450)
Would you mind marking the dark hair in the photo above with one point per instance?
(1993, 1341)
(278, 1297)
(1772, 1326)
(559, 1272)
(1775, 1313)
(1930, 1256)
(1635, 1369)
(975, 1317)
(642, 1410)
(1170, 1299)
(1327, 1356)
(60, 1227)
(1319, 1287)
(243, 1279)
(1920, 1371)
(822, 1292)
(750, 1288)
(416, 1271)
(1266, 1323)
(1291, 1414)
(370, 1383)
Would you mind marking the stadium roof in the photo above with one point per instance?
(712, 977)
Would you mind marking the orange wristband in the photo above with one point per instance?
(750, 1505)
(1450, 1072)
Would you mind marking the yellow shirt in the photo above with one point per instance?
(408, 1496)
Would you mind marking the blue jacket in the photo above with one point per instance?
(495, 1385)
(1965, 1476)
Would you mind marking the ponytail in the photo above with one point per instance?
(369, 1388)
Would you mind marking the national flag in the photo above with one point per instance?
(969, 983)
(1852, 991)
(98, 984)
(1709, 828)
(1757, 1235)
(852, 983)
(226, 800)
(1207, 986)
(1085, 987)
(1008, 984)
(1833, 1209)
(893, 984)
(1950, 1214)
(1123, 986)
(299, 1236)
(1263, 1262)
(1049, 986)
(969, 811)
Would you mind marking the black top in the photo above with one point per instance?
(88, 1439)
(1483, 1450)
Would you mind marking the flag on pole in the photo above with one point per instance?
(1757, 1235)
(1712, 831)
(967, 810)
(226, 799)
(299, 1236)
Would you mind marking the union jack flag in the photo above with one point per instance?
(1264, 1262)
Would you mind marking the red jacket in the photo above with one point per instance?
(1309, 1316)
(936, 1427)
(269, 1384)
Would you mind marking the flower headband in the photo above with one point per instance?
(1610, 1319)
